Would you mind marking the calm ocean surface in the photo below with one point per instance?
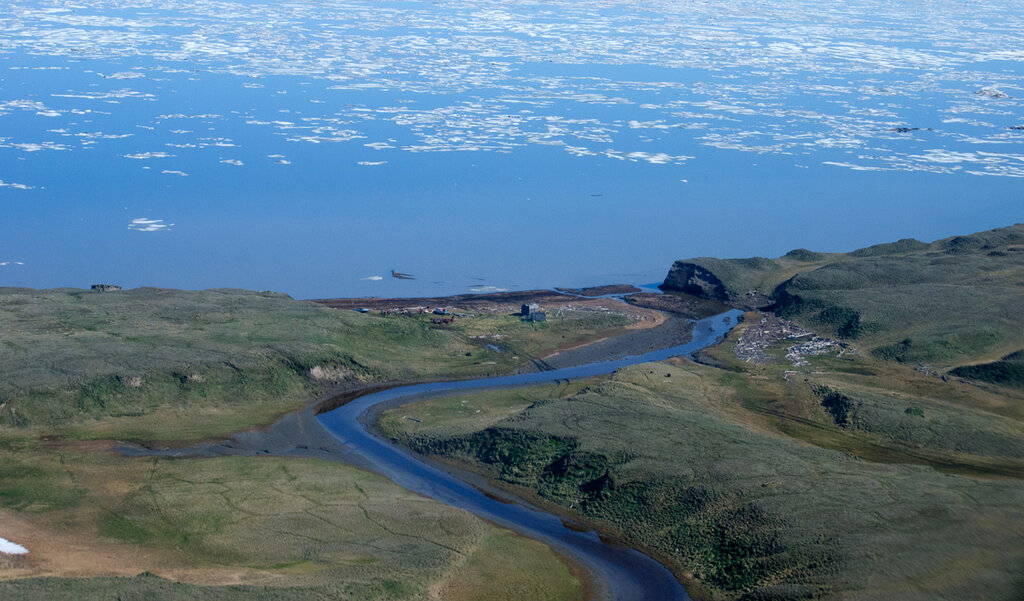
(311, 147)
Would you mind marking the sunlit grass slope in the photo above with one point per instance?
(152, 364)
(80, 368)
(241, 527)
(744, 481)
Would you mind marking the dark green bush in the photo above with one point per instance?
(844, 320)
(1009, 371)
(734, 540)
(899, 352)
(837, 404)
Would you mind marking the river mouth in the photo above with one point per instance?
(618, 572)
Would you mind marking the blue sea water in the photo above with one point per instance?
(307, 146)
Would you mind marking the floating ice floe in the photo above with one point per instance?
(33, 147)
(143, 224)
(123, 75)
(10, 548)
(142, 156)
(14, 185)
(885, 58)
(373, 278)
(114, 95)
(993, 93)
(853, 166)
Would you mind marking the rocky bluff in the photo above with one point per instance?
(690, 278)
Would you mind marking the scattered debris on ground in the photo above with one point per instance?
(757, 339)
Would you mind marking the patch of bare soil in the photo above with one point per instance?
(683, 305)
(77, 446)
(56, 552)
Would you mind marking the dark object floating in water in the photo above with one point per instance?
(402, 276)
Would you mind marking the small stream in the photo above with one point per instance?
(619, 573)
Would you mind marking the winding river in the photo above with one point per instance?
(618, 572)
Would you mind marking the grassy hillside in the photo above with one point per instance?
(949, 303)
(79, 369)
(242, 527)
(152, 364)
(1008, 371)
(745, 479)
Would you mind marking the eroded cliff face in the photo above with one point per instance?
(691, 278)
